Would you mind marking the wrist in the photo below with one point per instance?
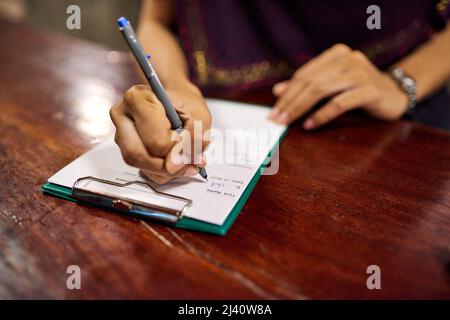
(182, 84)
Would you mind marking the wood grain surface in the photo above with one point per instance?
(356, 193)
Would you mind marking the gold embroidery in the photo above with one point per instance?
(248, 73)
(202, 68)
(396, 40)
(442, 5)
(209, 74)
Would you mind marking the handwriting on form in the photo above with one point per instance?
(224, 186)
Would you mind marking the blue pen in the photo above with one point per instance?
(142, 59)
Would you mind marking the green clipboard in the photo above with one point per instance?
(184, 222)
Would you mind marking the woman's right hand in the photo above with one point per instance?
(145, 138)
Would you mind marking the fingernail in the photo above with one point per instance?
(309, 124)
(178, 166)
(191, 171)
(283, 118)
(278, 87)
(274, 113)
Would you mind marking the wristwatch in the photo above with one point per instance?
(407, 84)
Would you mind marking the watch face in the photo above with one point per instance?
(408, 81)
(397, 73)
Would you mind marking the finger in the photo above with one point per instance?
(150, 119)
(280, 88)
(304, 100)
(197, 131)
(197, 141)
(295, 88)
(187, 171)
(132, 149)
(318, 91)
(348, 100)
(156, 178)
(197, 121)
(193, 116)
(176, 159)
(322, 60)
(303, 80)
(200, 161)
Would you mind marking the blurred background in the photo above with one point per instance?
(98, 17)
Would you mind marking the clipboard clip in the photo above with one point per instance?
(132, 197)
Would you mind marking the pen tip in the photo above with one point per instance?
(203, 174)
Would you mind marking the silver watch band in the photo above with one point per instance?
(407, 84)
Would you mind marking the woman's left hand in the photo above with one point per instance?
(345, 76)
